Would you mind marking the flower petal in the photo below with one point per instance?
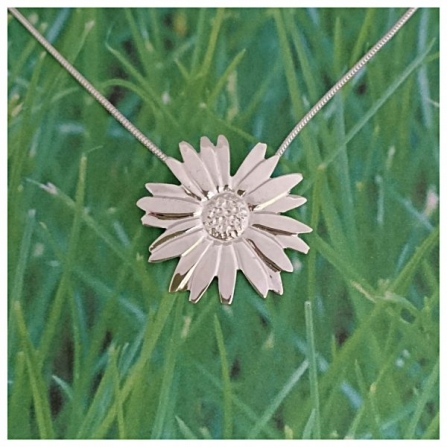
(277, 224)
(274, 278)
(275, 282)
(148, 220)
(269, 251)
(223, 159)
(250, 265)
(176, 230)
(272, 190)
(204, 272)
(181, 278)
(178, 169)
(209, 157)
(283, 204)
(168, 206)
(179, 246)
(197, 169)
(258, 175)
(167, 190)
(293, 242)
(227, 274)
(254, 157)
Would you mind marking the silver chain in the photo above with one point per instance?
(89, 87)
(343, 80)
(152, 146)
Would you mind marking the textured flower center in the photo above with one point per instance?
(225, 216)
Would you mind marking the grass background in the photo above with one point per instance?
(97, 348)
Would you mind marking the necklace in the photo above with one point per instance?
(216, 223)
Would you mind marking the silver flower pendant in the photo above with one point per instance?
(218, 224)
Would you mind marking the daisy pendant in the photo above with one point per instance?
(218, 224)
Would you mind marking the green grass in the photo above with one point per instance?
(98, 348)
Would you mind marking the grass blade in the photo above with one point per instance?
(57, 305)
(64, 386)
(142, 51)
(38, 387)
(427, 393)
(17, 286)
(312, 151)
(343, 172)
(432, 431)
(185, 430)
(237, 402)
(402, 281)
(352, 430)
(351, 276)
(265, 418)
(313, 372)
(101, 398)
(20, 150)
(168, 374)
(226, 384)
(156, 99)
(217, 23)
(201, 23)
(224, 77)
(20, 398)
(151, 336)
(314, 220)
(374, 422)
(364, 36)
(122, 253)
(309, 428)
(117, 392)
(409, 70)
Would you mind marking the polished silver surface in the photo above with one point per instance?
(225, 216)
(217, 224)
